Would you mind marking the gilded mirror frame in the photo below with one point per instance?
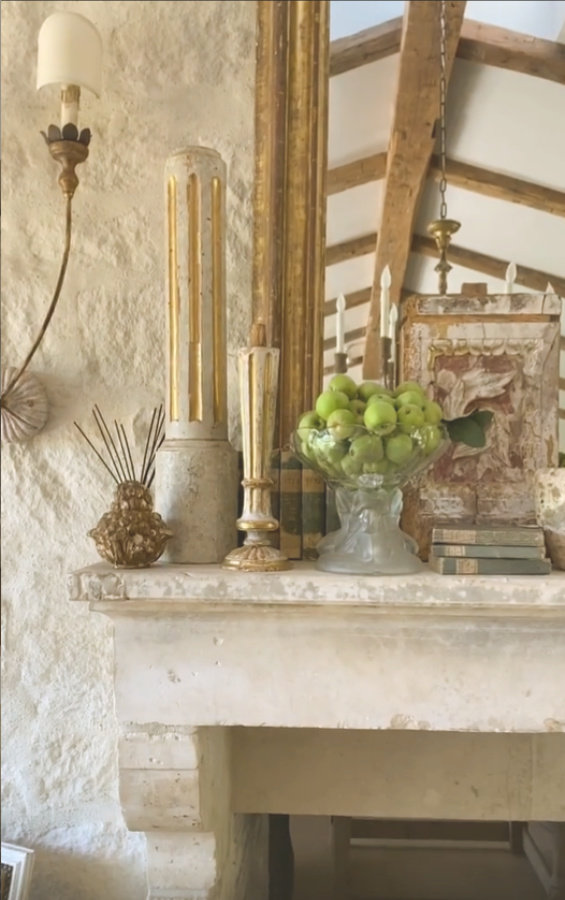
(289, 208)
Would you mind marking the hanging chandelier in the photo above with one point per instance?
(443, 228)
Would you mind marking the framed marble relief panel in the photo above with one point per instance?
(499, 353)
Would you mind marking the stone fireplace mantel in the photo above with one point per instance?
(239, 695)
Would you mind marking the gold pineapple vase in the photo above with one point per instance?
(258, 377)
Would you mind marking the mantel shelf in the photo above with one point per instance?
(176, 587)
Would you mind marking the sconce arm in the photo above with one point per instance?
(52, 305)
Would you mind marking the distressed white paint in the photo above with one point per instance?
(174, 74)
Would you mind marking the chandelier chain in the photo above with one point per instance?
(442, 107)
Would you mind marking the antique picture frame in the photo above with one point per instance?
(16, 871)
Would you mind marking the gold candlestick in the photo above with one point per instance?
(258, 378)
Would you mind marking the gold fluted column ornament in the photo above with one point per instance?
(258, 380)
(196, 467)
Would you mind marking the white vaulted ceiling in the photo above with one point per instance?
(501, 120)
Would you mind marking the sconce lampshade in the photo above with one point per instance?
(69, 52)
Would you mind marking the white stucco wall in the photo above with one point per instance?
(174, 74)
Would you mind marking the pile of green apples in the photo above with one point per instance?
(368, 430)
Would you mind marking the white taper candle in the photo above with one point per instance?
(511, 273)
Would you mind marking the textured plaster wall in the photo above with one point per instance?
(174, 74)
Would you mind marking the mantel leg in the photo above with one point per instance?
(175, 786)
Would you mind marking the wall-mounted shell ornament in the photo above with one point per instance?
(24, 409)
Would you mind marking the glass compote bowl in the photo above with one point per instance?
(367, 472)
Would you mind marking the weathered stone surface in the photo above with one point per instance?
(416, 696)
(174, 74)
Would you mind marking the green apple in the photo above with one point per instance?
(351, 466)
(329, 401)
(375, 397)
(410, 398)
(408, 386)
(398, 448)
(343, 384)
(430, 438)
(341, 424)
(329, 457)
(410, 417)
(368, 388)
(380, 417)
(309, 420)
(358, 407)
(433, 413)
(367, 449)
(379, 467)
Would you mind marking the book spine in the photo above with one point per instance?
(488, 551)
(274, 475)
(515, 537)
(290, 512)
(332, 518)
(313, 512)
(241, 535)
(446, 566)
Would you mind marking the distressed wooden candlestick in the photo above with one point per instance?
(340, 363)
(387, 367)
(258, 379)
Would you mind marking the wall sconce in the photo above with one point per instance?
(69, 55)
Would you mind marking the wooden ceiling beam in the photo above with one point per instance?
(349, 337)
(355, 298)
(493, 46)
(490, 265)
(534, 279)
(366, 46)
(459, 174)
(501, 187)
(337, 253)
(410, 150)
(480, 43)
(354, 174)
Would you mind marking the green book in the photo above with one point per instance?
(274, 475)
(290, 509)
(313, 512)
(241, 535)
(446, 566)
(488, 551)
(507, 535)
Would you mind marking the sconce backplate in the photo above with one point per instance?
(24, 408)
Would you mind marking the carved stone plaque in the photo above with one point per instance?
(499, 353)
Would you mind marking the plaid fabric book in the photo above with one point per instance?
(274, 475)
(241, 535)
(313, 512)
(290, 510)
(332, 518)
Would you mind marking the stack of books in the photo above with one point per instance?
(488, 550)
